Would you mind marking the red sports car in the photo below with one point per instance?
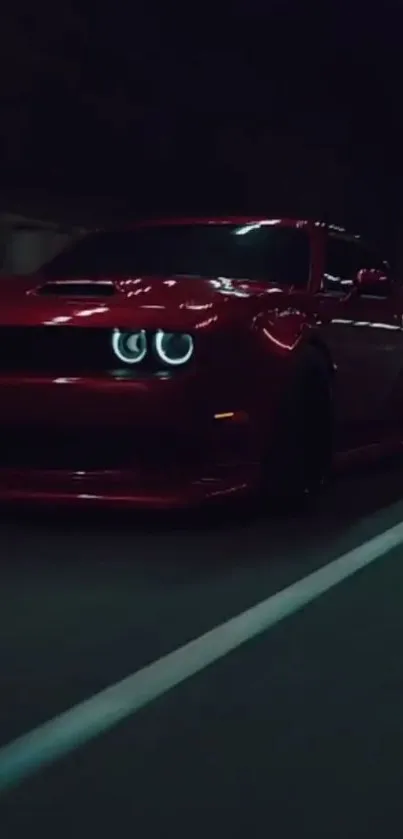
(175, 362)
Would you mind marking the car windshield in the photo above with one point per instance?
(250, 251)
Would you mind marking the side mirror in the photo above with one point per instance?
(373, 281)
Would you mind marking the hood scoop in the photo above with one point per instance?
(77, 288)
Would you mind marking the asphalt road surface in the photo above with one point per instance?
(297, 732)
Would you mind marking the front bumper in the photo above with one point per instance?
(157, 444)
(122, 490)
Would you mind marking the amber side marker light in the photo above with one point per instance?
(235, 416)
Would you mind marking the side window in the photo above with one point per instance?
(344, 258)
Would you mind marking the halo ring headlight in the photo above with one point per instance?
(130, 347)
(173, 348)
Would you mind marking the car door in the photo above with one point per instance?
(364, 334)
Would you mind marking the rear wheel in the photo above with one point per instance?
(298, 460)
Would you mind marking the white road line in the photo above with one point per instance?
(68, 731)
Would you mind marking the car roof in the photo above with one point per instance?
(284, 221)
(216, 220)
(227, 220)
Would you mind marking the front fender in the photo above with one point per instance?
(279, 339)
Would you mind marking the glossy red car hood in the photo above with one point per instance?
(147, 302)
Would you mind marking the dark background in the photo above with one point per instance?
(155, 107)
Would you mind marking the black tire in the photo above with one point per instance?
(298, 461)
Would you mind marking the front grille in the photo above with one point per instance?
(86, 449)
(56, 349)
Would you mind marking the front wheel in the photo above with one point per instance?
(298, 460)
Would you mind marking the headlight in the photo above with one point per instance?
(173, 348)
(130, 347)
